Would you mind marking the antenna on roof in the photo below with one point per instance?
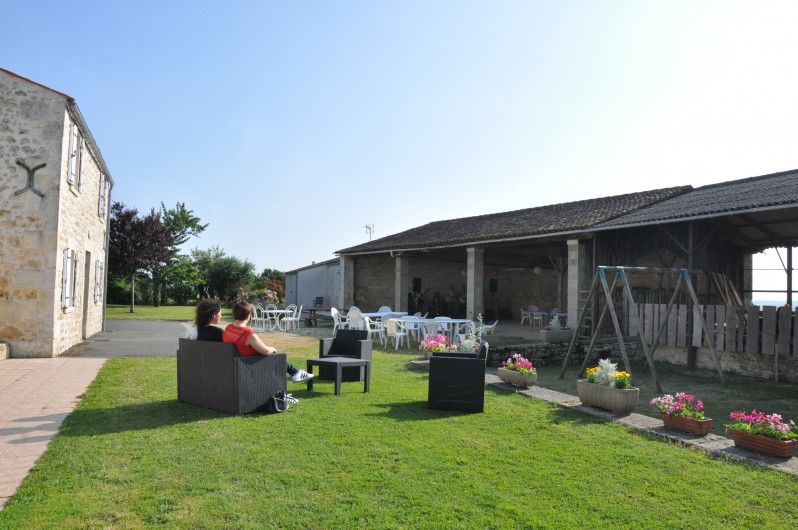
(370, 229)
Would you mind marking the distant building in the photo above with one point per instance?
(55, 190)
(319, 280)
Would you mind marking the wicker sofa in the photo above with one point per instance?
(457, 381)
(215, 376)
(346, 343)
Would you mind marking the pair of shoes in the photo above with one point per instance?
(301, 376)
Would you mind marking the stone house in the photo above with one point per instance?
(55, 191)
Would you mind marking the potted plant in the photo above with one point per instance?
(608, 388)
(683, 413)
(764, 433)
(554, 332)
(518, 371)
(435, 343)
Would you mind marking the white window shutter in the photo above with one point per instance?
(81, 152)
(76, 278)
(97, 282)
(73, 153)
(101, 207)
(65, 278)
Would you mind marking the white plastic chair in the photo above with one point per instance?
(355, 318)
(384, 308)
(394, 329)
(413, 328)
(488, 330)
(374, 328)
(258, 319)
(292, 321)
(290, 310)
(271, 318)
(339, 322)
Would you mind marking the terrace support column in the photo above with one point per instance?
(475, 297)
(748, 278)
(577, 270)
(401, 283)
(348, 281)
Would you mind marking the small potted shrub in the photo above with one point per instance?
(518, 371)
(608, 388)
(554, 332)
(435, 343)
(764, 433)
(683, 413)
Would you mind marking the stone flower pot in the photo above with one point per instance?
(517, 378)
(619, 401)
(561, 335)
(680, 423)
(763, 444)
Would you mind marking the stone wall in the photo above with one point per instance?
(34, 230)
(756, 365)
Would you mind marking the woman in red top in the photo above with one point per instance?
(248, 343)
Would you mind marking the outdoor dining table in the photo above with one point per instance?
(275, 314)
(451, 324)
(380, 314)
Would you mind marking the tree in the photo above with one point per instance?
(182, 224)
(136, 243)
(223, 274)
(180, 279)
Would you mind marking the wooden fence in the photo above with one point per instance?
(734, 329)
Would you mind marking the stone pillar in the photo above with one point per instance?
(577, 271)
(348, 280)
(401, 283)
(475, 298)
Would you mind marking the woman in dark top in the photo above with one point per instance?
(208, 314)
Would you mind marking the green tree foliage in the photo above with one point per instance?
(182, 224)
(223, 275)
(136, 244)
(181, 279)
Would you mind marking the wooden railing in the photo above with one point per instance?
(733, 329)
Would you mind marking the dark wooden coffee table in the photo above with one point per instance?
(340, 363)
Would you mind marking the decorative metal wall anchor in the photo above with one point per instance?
(30, 185)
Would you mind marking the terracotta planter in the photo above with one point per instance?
(680, 423)
(516, 378)
(619, 401)
(764, 445)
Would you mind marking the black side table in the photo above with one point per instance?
(340, 363)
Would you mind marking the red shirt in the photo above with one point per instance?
(239, 335)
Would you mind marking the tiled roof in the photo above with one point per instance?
(766, 191)
(554, 219)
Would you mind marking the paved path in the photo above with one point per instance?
(37, 394)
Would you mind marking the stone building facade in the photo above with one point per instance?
(55, 190)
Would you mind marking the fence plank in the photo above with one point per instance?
(648, 323)
(634, 316)
(752, 330)
(784, 328)
(698, 331)
(681, 329)
(672, 321)
(663, 322)
(720, 325)
(768, 329)
(740, 329)
(710, 318)
(731, 328)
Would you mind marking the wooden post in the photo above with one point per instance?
(710, 339)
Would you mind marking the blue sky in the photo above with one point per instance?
(289, 126)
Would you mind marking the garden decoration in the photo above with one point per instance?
(683, 413)
(435, 343)
(763, 433)
(518, 371)
(608, 388)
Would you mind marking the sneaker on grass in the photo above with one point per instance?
(301, 376)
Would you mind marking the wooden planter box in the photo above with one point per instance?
(619, 401)
(516, 378)
(764, 445)
(680, 423)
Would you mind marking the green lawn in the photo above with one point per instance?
(131, 456)
(164, 312)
